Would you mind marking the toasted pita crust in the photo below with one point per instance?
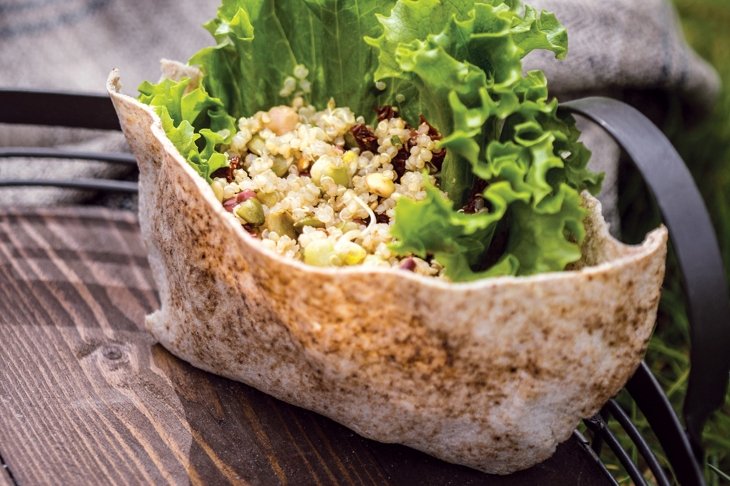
(491, 374)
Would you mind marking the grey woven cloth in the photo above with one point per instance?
(615, 46)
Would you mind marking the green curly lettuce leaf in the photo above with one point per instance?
(195, 122)
(464, 58)
(502, 132)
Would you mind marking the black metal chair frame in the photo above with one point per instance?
(682, 209)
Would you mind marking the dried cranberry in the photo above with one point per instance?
(365, 138)
(413, 136)
(234, 161)
(432, 132)
(437, 159)
(399, 162)
(386, 112)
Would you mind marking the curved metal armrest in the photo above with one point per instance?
(76, 110)
(695, 245)
(63, 109)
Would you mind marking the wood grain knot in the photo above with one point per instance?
(112, 355)
(112, 352)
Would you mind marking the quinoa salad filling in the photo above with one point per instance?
(321, 186)
(469, 170)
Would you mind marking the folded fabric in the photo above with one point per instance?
(619, 45)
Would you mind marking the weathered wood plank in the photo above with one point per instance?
(86, 397)
(126, 414)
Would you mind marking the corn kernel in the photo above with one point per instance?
(379, 184)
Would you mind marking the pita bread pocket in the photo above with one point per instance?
(491, 373)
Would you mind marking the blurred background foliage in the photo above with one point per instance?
(705, 147)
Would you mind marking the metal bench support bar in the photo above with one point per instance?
(75, 110)
(79, 183)
(695, 244)
(54, 153)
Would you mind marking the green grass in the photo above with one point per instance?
(706, 149)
